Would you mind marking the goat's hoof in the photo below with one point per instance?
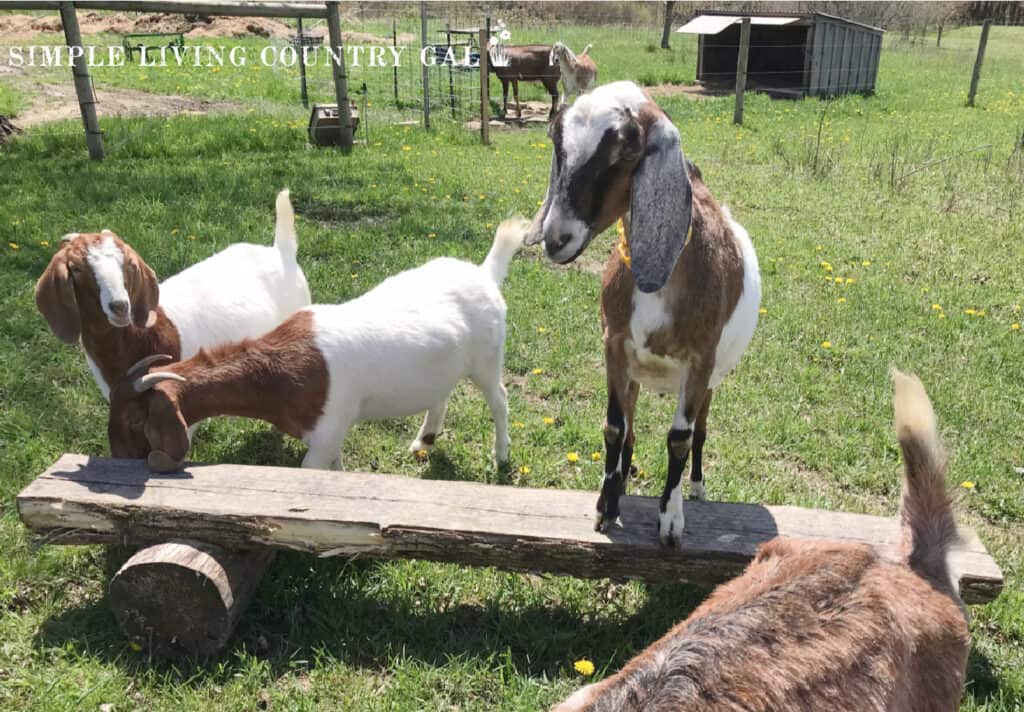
(670, 528)
(697, 491)
(604, 522)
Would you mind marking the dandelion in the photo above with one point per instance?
(482, 196)
(584, 667)
(431, 234)
(969, 312)
(541, 329)
(524, 470)
(967, 485)
(537, 371)
(936, 307)
(762, 310)
(866, 263)
(548, 420)
(849, 280)
(518, 424)
(826, 266)
(13, 245)
(44, 243)
(841, 300)
(572, 456)
(838, 280)
(406, 148)
(826, 344)
(422, 454)
(941, 315)
(981, 312)
(595, 456)
(355, 275)
(1015, 327)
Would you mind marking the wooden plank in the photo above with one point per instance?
(340, 77)
(240, 8)
(84, 499)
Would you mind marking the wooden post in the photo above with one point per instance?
(976, 74)
(185, 596)
(302, 66)
(666, 29)
(83, 84)
(938, 39)
(485, 89)
(340, 79)
(741, 70)
(426, 72)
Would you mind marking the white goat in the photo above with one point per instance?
(98, 289)
(397, 350)
(680, 297)
(579, 71)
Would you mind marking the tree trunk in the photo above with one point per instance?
(667, 29)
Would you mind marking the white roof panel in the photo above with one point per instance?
(713, 24)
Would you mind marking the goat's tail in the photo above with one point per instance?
(508, 238)
(585, 50)
(285, 239)
(928, 525)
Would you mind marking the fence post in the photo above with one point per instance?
(83, 84)
(340, 78)
(976, 74)
(485, 89)
(666, 29)
(938, 40)
(302, 66)
(394, 43)
(741, 70)
(426, 73)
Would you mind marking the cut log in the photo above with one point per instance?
(185, 597)
(101, 500)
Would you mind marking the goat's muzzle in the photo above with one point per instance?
(160, 461)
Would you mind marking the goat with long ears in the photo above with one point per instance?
(679, 299)
(98, 289)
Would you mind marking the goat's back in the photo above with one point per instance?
(241, 292)
(809, 626)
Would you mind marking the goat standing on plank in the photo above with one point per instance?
(578, 71)
(679, 298)
(397, 350)
(528, 63)
(819, 625)
(98, 289)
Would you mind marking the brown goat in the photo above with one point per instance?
(528, 63)
(819, 625)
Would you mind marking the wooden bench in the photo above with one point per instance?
(186, 595)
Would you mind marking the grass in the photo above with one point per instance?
(913, 201)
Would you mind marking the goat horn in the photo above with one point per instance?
(142, 364)
(70, 236)
(151, 379)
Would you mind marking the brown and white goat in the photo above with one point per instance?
(679, 305)
(579, 71)
(819, 625)
(98, 289)
(528, 63)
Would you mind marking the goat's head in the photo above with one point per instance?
(145, 418)
(96, 278)
(557, 51)
(615, 151)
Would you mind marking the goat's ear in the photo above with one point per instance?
(143, 289)
(55, 298)
(661, 204)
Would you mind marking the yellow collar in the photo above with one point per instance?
(623, 245)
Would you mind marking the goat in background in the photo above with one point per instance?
(820, 625)
(528, 63)
(578, 71)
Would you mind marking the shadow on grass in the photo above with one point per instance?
(307, 609)
(982, 683)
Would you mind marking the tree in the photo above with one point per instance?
(667, 29)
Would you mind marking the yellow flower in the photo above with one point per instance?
(406, 148)
(866, 263)
(174, 231)
(355, 275)
(14, 245)
(826, 266)
(431, 234)
(818, 248)
(584, 667)
(1015, 326)
(541, 329)
(838, 280)
(969, 312)
(967, 484)
(422, 454)
(192, 237)
(981, 312)
(135, 646)
(849, 280)
(841, 300)
(595, 456)
(826, 344)
(941, 315)
(548, 420)
(537, 371)
(572, 456)
(524, 470)
(44, 243)
(518, 424)
(762, 310)
(936, 307)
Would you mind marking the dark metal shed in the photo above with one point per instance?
(798, 54)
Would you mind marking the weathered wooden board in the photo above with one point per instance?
(88, 499)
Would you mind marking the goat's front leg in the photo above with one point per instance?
(618, 436)
(432, 423)
(700, 434)
(325, 443)
(504, 97)
(515, 93)
(671, 520)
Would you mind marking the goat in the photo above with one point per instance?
(397, 350)
(98, 289)
(822, 625)
(528, 63)
(679, 298)
(578, 71)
